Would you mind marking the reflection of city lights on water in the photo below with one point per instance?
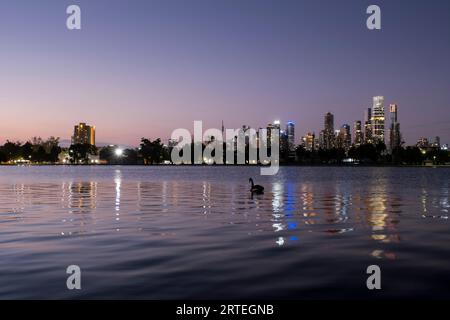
(118, 182)
(280, 241)
(278, 227)
(381, 254)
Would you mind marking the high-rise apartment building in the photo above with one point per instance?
(343, 137)
(423, 143)
(83, 134)
(309, 141)
(290, 133)
(327, 137)
(270, 127)
(329, 121)
(358, 134)
(395, 139)
(368, 126)
(377, 120)
(437, 142)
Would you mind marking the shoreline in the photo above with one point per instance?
(231, 165)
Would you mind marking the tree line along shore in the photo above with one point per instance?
(37, 151)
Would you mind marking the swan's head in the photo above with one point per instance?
(250, 180)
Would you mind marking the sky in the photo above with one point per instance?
(143, 68)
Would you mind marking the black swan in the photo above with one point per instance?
(256, 188)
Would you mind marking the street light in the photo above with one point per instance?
(118, 152)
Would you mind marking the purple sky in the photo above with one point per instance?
(144, 68)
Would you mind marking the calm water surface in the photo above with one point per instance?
(196, 232)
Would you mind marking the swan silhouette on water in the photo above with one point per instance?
(256, 188)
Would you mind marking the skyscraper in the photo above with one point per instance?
(437, 142)
(358, 134)
(347, 136)
(309, 141)
(290, 132)
(393, 112)
(246, 130)
(273, 126)
(83, 134)
(327, 137)
(343, 137)
(395, 139)
(329, 121)
(377, 119)
(368, 126)
(423, 143)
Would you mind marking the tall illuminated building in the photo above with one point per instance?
(246, 130)
(437, 143)
(290, 133)
(343, 137)
(329, 121)
(395, 138)
(347, 136)
(377, 120)
(423, 143)
(393, 111)
(309, 141)
(358, 134)
(368, 126)
(83, 134)
(270, 127)
(327, 137)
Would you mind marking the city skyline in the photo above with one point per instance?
(388, 132)
(158, 66)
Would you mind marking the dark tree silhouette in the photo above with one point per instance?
(79, 152)
(151, 151)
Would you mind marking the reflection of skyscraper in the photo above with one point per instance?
(82, 196)
(358, 134)
(380, 212)
(394, 132)
(327, 134)
(377, 119)
(83, 134)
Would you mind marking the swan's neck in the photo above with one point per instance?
(251, 181)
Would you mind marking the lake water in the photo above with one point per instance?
(196, 232)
